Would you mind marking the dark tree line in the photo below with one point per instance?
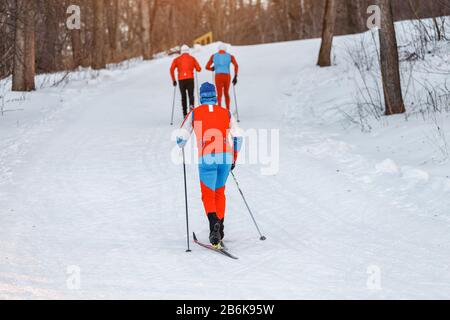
(34, 36)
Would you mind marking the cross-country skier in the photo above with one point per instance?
(219, 140)
(220, 63)
(186, 64)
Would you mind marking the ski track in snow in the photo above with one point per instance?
(94, 187)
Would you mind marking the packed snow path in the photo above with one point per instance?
(92, 188)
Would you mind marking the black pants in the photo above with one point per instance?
(187, 88)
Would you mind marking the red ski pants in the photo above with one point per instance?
(223, 82)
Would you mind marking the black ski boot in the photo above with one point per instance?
(222, 235)
(214, 229)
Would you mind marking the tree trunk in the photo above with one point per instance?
(145, 32)
(295, 16)
(389, 61)
(281, 20)
(77, 44)
(47, 55)
(99, 35)
(153, 11)
(111, 23)
(327, 34)
(355, 16)
(117, 54)
(24, 47)
(76, 48)
(5, 44)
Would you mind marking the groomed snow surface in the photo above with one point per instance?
(88, 188)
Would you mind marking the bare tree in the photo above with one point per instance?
(389, 61)
(24, 47)
(98, 61)
(6, 38)
(145, 32)
(76, 48)
(355, 15)
(327, 34)
(76, 42)
(48, 55)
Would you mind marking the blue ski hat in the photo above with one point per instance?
(208, 93)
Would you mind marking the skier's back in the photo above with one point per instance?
(220, 63)
(218, 140)
(186, 66)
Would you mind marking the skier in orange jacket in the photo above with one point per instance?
(219, 140)
(222, 61)
(185, 64)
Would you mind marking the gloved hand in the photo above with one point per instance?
(181, 142)
(213, 69)
(175, 83)
(235, 81)
(233, 166)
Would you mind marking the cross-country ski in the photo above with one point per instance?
(220, 248)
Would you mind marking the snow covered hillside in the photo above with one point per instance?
(88, 187)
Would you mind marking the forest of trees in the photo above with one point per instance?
(34, 36)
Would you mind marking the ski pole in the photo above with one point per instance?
(198, 89)
(186, 203)
(173, 104)
(235, 102)
(262, 238)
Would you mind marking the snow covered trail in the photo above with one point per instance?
(97, 190)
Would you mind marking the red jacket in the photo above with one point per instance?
(185, 65)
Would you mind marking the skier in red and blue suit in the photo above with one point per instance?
(219, 140)
(222, 61)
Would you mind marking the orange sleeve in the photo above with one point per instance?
(172, 69)
(209, 64)
(236, 66)
(197, 66)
